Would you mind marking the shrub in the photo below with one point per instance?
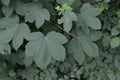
(59, 40)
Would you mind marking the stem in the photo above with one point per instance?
(63, 30)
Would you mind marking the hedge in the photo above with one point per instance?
(59, 40)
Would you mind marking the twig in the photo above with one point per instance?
(63, 30)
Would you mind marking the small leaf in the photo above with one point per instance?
(95, 35)
(8, 10)
(111, 76)
(4, 77)
(6, 2)
(28, 61)
(106, 40)
(115, 31)
(28, 73)
(65, 1)
(11, 73)
(115, 42)
(5, 48)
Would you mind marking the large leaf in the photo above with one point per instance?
(88, 17)
(95, 35)
(13, 31)
(78, 52)
(33, 12)
(67, 19)
(90, 48)
(42, 48)
(81, 45)
(21, 32)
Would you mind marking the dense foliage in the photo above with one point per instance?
(59, 40)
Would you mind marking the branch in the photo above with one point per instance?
(63, 29)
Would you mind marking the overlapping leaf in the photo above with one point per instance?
(29, 73)
(65, 1)
(115, 42)
(90, 48)
(33, 12)
(6, 2)
(13, 31)
(67, 19)
(77, 50)
(5, 48)
(87, 17)
(79, 46)
(8, 10)
(4, 77)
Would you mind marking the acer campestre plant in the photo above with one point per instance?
(59, 39)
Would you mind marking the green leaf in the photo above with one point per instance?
(106, 40)
(76, 3)
(78, 53)
(28, 61)
(4, 77)
(42, 48)
(67, 19)
(8, 10)
(6, 2)
(12, 73)
(28, 73)
(90, 48)
(7, 22)
(7, 34)
(118, 78)
(15, 32)
(88, 17)
(5, 48)
(111, 76)
(33, 12)
(115, 42)
(89, 10)
(21, 33)
(95, 35)
(54, 41)
(115, 31)
(65, 1)
(17, 58)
